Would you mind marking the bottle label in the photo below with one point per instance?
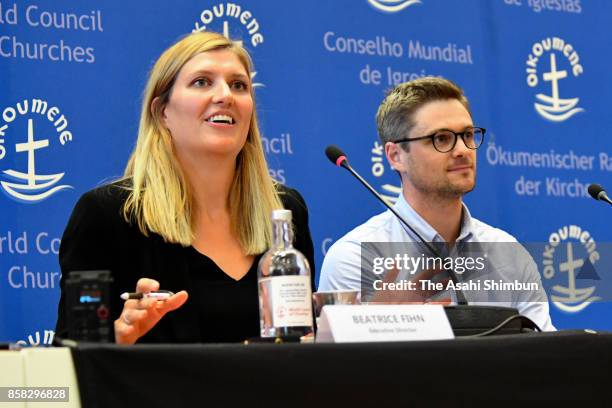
(290, 301)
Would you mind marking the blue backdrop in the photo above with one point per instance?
(535, 71)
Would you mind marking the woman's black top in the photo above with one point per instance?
(219, 308)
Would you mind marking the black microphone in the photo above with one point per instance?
(337, 156)
(597, 192)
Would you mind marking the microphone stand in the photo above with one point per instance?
(461, 300)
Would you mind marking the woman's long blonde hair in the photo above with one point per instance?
(160, 199)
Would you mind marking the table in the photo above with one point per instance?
(539, 369)
(542, 369)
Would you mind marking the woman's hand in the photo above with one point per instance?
(139, 316)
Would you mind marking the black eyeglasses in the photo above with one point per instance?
(445, 140)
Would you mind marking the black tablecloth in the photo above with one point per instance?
(539, 369)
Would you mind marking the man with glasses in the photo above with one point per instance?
(430, 140)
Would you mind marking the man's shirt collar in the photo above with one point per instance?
(425, 230)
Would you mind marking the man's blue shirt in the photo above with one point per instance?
(509, 262)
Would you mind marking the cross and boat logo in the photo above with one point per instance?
(26, 185)
(552, 107)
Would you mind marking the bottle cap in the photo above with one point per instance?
(281, 215)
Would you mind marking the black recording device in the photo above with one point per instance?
(88, 306)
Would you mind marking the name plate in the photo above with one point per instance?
(371, 323)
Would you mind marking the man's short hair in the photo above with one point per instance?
(394, 119)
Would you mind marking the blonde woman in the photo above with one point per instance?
(192, 212)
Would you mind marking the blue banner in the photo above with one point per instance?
(534, 71)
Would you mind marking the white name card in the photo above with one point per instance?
(371, 323)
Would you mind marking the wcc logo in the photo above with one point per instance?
(219, 18)
(392, 6)
(568, 262)
(557, 62)
(35, 339)
(389, 192)
(25, 133)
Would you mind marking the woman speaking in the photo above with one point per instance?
(192, 212)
